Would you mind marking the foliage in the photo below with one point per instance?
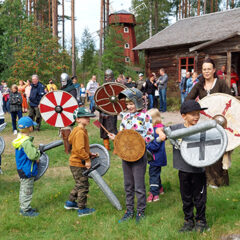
(162, 221)
(36, 51)
(113, 56)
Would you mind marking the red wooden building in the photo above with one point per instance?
(127, 21)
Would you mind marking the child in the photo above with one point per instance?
(82, 93)
(79, 162)
(134, 172)
(15, 106)
(192, 179)
(159, 158)
(1, 122)
(26, 159)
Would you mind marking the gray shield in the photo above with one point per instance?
(2, 145)
(42, 165)
(103, 159)
(2, 126)
(204, 148)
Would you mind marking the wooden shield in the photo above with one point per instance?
(57, 108)
(129, 145)
(229, 107)
(106, 98)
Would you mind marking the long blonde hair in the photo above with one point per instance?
(156, 117)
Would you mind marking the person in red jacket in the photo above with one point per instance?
(222, 73)
(234, 79)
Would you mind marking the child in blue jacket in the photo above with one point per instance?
(159, 158)
(26, 160)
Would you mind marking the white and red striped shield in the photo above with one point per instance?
(57, 108)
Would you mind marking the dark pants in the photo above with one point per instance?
(34, 112)
(80, 191)
(1, 122)
(193, 190)
(163, 99)
(14, 116)
(150, 99)
(134, 182)
(6, 106)
(155, 179)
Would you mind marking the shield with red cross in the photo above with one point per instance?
(57, 108)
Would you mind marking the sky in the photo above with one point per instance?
(87, 14)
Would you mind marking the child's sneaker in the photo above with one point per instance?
(139, 216)
(156, 198)
(150, 198)
(201, 226)
(85, 211)
(187, 226)
(15, 132)
(128, 215)
(71, 205)
(30, 213)
(161, 191)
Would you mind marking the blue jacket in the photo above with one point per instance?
(37, 92)
(26, 155)
(158, 150)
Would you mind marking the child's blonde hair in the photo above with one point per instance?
(155, 114)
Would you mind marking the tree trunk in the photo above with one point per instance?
(179, 10)
(30, 7)
(189, 8)
(216, 5)
(205, 6)
(211, 7)
(198, 7)
(49, 14)
(108, 14)
(54, 18)
(73, 39)
(150, 18)
(185, 8)
(156, 16)
(227, 4)
(63, 26)
(232, 3)
(101, 30)
(26, 7)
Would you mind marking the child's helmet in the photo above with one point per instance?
(134, 95)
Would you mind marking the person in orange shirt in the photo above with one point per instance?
(21, 88)
(80, 160)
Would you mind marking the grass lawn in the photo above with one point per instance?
(163, 218)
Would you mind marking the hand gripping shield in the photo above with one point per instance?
(229, 108)
(57, 108)
(106, 98)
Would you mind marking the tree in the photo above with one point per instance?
(73, 38)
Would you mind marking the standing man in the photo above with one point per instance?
(183, 86)
(140, 82)
(36, 93)
(222, 73)
(162, 86)
(91, 89)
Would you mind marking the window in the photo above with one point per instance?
(126, 45)
(125, 29)
(186, 64)
(127, 59)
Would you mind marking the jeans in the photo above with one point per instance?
(155, 179)
(6, 106)
(14, 116)
(92, 103)
(150, 98)
(183, 96)
(163, 99)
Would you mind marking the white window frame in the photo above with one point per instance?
(126, 45)
(127, 59)
(126, 30)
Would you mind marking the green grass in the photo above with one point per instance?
(163, 218)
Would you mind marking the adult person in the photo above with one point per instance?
(209, 83)
(91, 89)
(28, 89)
(51, 86)
(82, 93)
(129, 83)
(21, 89)
(162, 87)
(191, 82)
(234, 80)
(121, 79)
(5, 94)
(108, 121)
(77, 86)
(221, 73)
(37, 92)
(140, 82)
(183, 86)
(150, 89)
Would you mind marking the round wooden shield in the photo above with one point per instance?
(106, 98)
(2, 145)
(229, 107)
(57, 108)
(129, 145)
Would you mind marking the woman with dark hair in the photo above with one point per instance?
(209, 83)
(150, 88)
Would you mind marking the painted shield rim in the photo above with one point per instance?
(68, 115)
(96, 97)
(3, 145)
(39, 175)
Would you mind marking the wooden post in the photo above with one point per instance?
(229, 63)
(73, 39)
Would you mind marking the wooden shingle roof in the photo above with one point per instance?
(195, 30)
